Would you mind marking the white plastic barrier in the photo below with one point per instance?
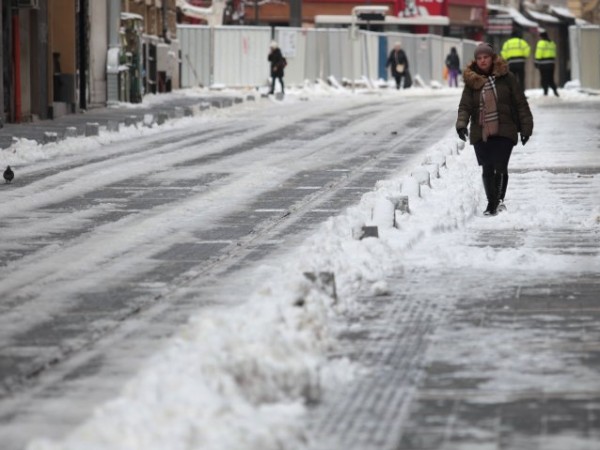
(585, 55)
(240, 57)
(196, 47)
(237, 55)
(294, 46)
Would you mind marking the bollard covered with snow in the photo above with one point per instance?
(411, 187)
(400, 203)
(422, 176)
(70, 132)
(131, 121)
(113, 126)
(161, 118)
(148, 120)
(178, 112)
(49, 137)
(382, 214)
(437, 158)
(433, 169)
(92, 129)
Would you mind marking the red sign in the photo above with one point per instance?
(433, 7)
(414, 8)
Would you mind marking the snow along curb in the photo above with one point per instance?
(240, 377)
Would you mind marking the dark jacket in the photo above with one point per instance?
(513, 108)
(397, 57)
(277, 62)
(453, 61)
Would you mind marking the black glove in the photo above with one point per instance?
(524, 139)
(462, 134)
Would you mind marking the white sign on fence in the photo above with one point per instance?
(289, 42)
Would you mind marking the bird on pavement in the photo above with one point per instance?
(8, 174)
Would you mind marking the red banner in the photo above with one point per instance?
(433, 7)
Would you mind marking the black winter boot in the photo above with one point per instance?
(489, 184)
(501, 184)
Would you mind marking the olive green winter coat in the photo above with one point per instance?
(513, 108)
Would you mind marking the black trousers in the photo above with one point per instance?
(273, 84)
(398, 77)
(518, 69)
(547, 78)
(494, 154)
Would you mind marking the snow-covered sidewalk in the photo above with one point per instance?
(486, 339)
(241, 378)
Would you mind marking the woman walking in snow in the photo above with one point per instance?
(496, 107)
(277, 65)
(398, 64)
(453, 64)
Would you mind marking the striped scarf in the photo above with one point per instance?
(488, 109)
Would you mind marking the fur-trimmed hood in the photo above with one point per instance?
(475, 80)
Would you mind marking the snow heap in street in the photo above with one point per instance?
(240, 377)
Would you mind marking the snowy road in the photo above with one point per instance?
(105, 252)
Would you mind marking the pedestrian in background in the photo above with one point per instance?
(398, 64)
(453, 65)
(515, 51)
(278, 63)
(496, 107)
(545, 57)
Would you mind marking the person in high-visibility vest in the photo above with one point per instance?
(545, 57)
(516, 51)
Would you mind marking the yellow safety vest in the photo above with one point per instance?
(515, 50)
(545, 51)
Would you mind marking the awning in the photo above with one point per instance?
(325, 19)
(516, 15)
(418, 20)
(541, 17)
(563, 13)
(131, 16)
(567, 15)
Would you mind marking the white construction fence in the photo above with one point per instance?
(585, 55)
(237, 56)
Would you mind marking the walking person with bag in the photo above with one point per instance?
(278, 63)
(398, 64)
(494, 104)
(453, 64)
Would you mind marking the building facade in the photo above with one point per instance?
(58, 55)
